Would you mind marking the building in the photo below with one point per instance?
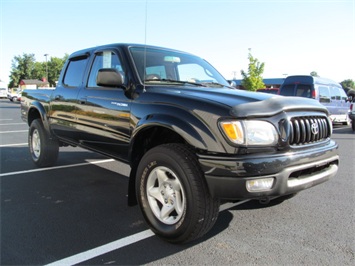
(33, 84)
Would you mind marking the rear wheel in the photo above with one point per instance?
(173, 195)
(43, 149)
(348, 121)
(353, 125)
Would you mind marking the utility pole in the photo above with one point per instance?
(46, 67)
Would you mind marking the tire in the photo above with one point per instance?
(173, 195)
(44, 150)
(347, 123)
(353, 125)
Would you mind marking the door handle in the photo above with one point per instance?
(82, 100)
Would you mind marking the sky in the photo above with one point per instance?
(290, 36)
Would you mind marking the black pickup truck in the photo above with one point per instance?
(190, 139)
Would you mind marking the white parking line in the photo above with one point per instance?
(120, 243)
(11, 124)
(11, 145)
(339, 128)
(92, 253)
(230, 205)
(55, 167)
(115, 245)
(15, 131)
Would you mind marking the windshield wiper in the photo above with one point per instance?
(211, 84)
(178, 81)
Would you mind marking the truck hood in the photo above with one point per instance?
(245, 104)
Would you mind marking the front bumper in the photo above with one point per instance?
(292, 172)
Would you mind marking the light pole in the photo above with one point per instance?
(46, 67)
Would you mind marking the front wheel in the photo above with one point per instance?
(173, 195)
(44, 150)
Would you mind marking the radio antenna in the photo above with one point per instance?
(145, 43)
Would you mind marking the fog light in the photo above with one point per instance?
(258, 185)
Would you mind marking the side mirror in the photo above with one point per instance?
(232, 83)
(109, 77)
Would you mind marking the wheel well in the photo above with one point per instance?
(153, 137)
(32, 115)
(147, 139)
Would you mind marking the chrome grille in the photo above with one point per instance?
(306, 130)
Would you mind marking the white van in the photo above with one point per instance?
(3, 93)
(326, 91)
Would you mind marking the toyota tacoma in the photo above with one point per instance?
(190, 139)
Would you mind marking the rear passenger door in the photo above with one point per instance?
(63, 105)
(103, 113)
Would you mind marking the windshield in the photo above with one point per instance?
(156, 65)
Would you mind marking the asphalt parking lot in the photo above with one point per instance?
(77, 213)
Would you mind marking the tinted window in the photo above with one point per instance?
(75, 71)
(301, 90)
(335, 93)
(106, 59)
(304, 91)
(343, 95)
(288, 90)
(324, 95)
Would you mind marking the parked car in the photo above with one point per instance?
(14, 96)
(3, 92)
(326, 91)
(352, 114)
(269, 90)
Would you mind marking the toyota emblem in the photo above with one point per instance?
(314, 128)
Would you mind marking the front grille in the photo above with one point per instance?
(307, 130)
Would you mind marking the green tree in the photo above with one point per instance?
(348, 83)
(314, 74)
(22, 67)
(39, 71)
(26, 67)
(253, 80)
(55, 65)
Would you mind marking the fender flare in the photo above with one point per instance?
(190, 128)
(36, 106)
(197, 134)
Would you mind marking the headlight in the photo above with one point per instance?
(250, 132)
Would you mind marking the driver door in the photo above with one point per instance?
(103, 113)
